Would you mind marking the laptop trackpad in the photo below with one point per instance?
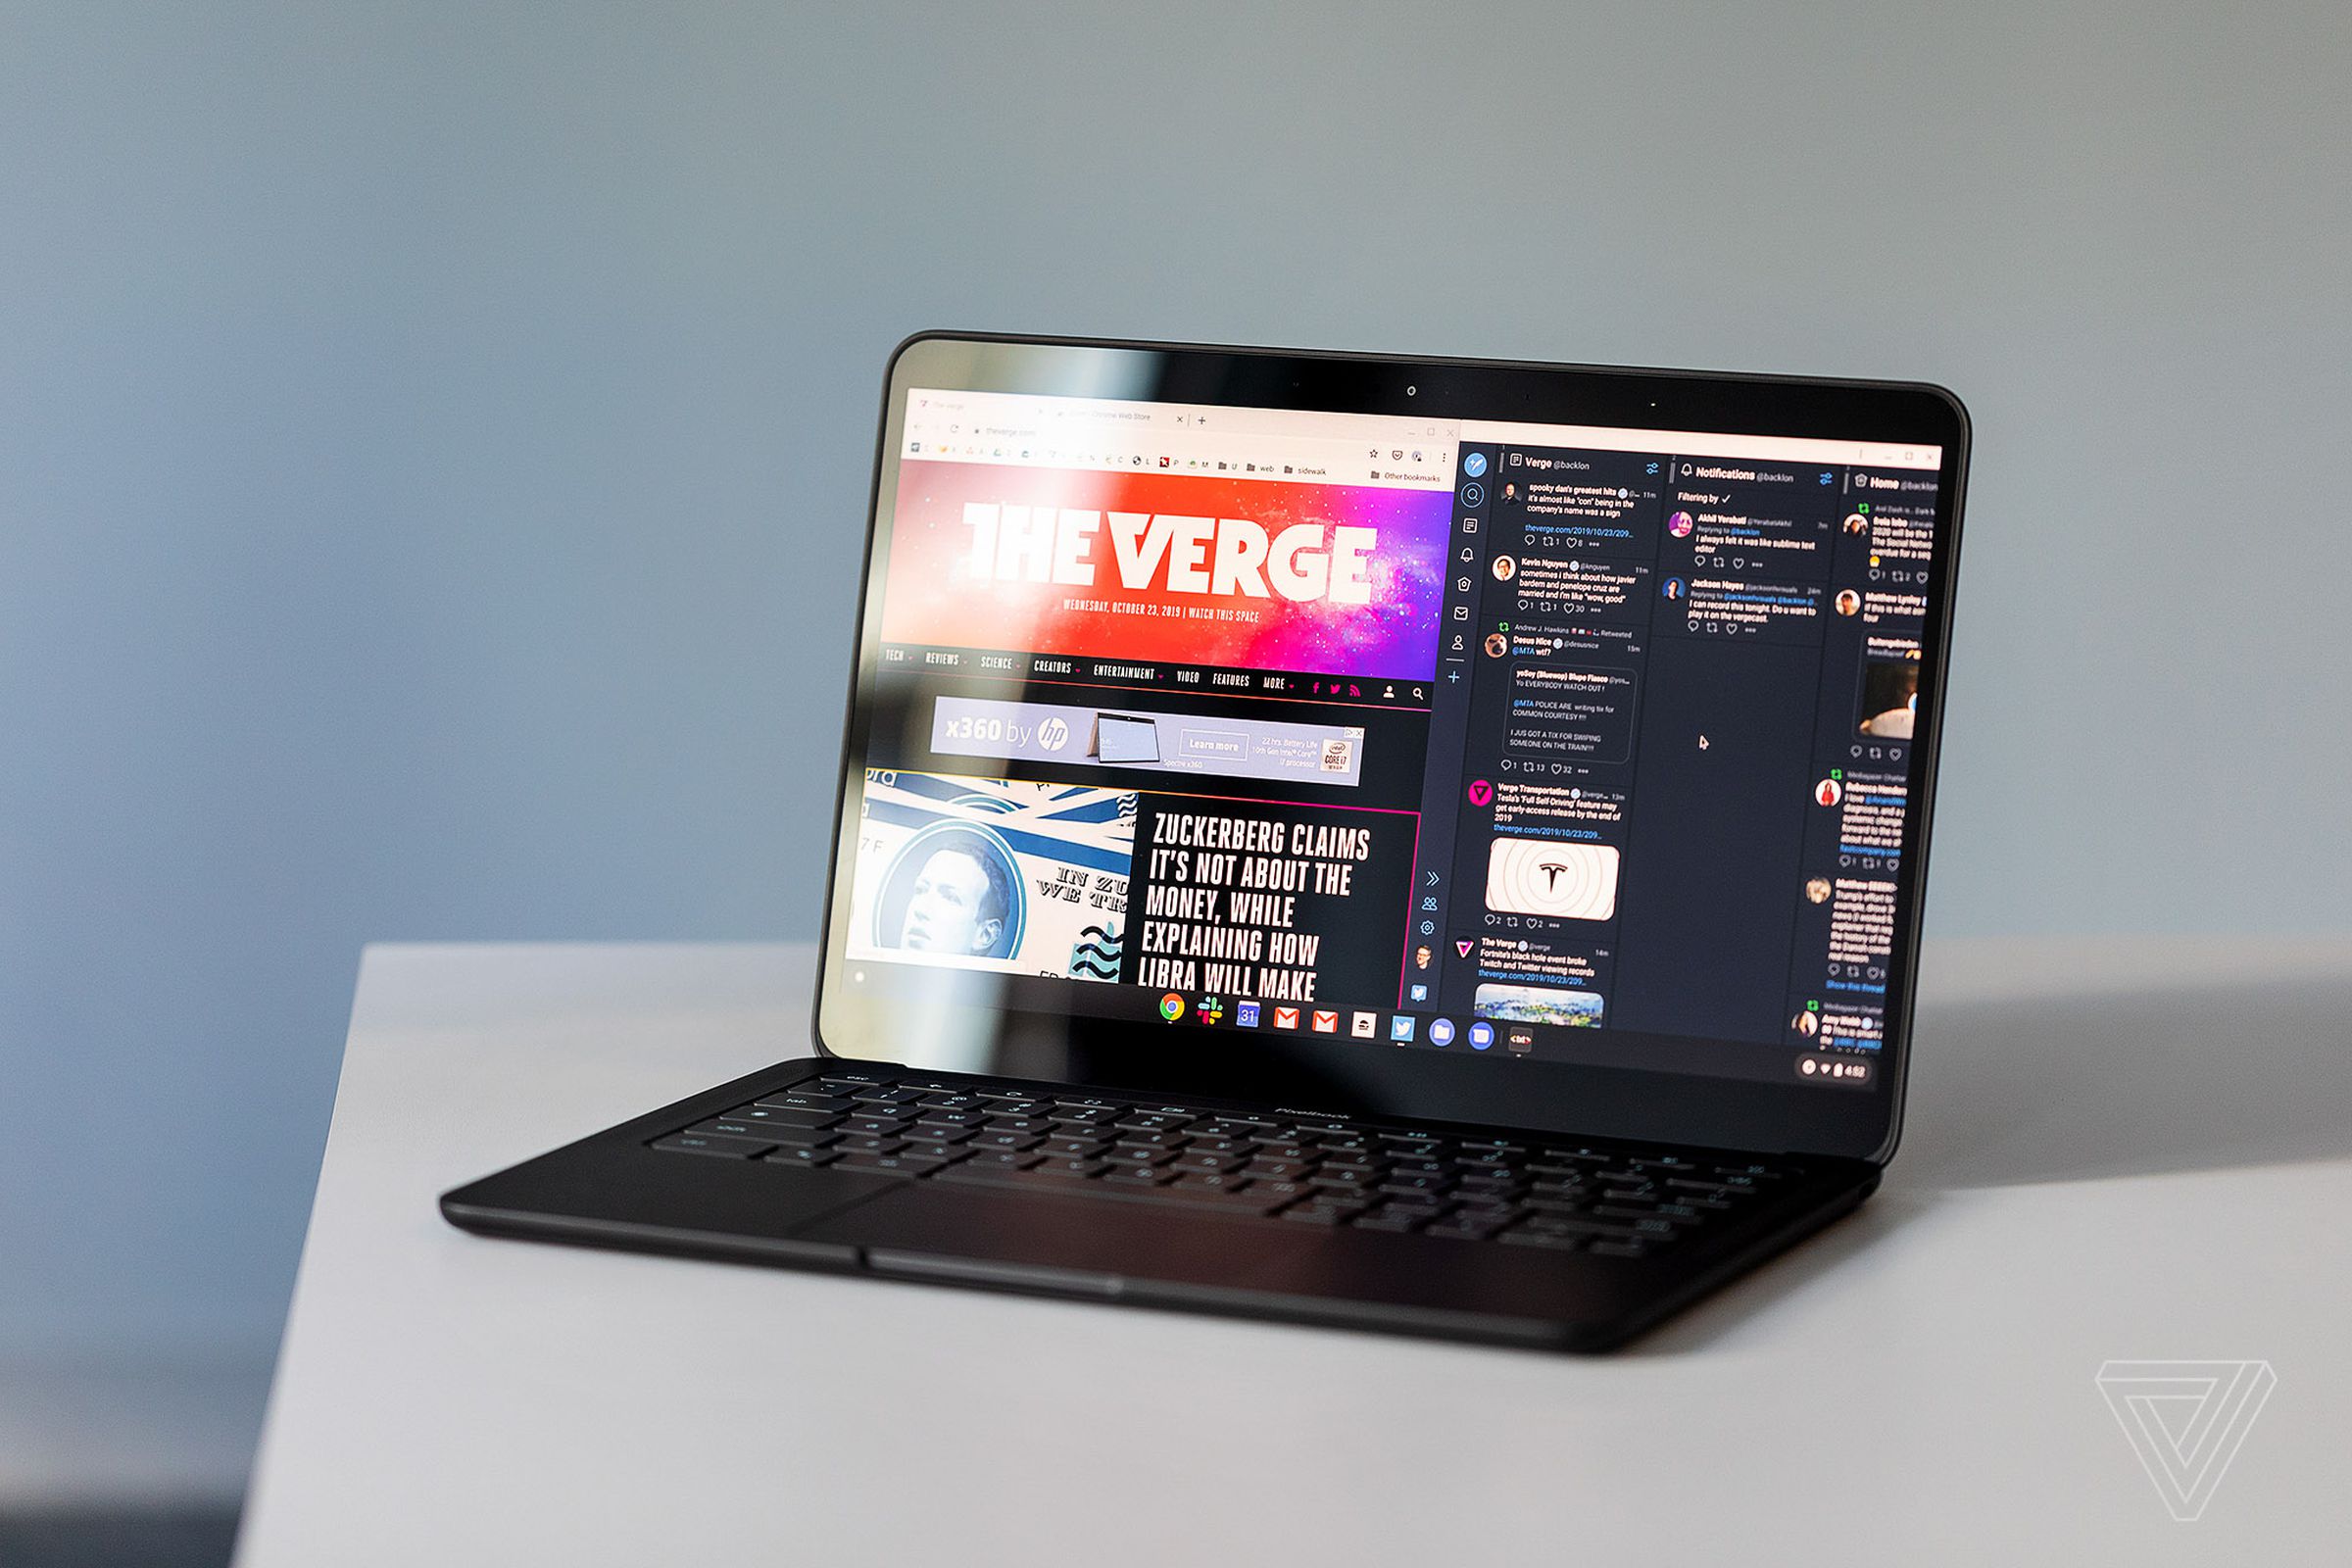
(1049, 1242)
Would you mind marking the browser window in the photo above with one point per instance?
(1551, 741)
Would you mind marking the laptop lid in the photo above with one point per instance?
(1535, 745)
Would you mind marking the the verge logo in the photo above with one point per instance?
(2185, 1420)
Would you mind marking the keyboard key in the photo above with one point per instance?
(827, 1105)
(1561, 1225)
(1153, 1137)
(870, 1146)
(1072, 1148)
(1209, 1181)
(802, 1155)
(1524, 1237)
(1219, 1146)
(703, 1143)
(1554, 1203)
(1000, 1159)
(1037, 1178)
(728, 1127)
(1619, 1250)
(777, 1115)
(889, 1164)
(733, 1127)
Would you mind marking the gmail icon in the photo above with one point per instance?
(1286, 1017)
(1327, 1020)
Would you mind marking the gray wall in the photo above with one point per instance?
(433, 439)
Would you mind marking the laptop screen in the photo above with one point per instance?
(1506, 740)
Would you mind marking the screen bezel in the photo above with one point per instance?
(1340, 1076)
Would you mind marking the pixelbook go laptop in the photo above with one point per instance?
(1409, 844)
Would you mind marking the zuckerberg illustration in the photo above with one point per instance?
(961, 899)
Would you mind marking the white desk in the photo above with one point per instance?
(2103, 1160)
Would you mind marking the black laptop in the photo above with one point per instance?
(1423, 845)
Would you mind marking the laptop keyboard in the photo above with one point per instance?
(1307, 1171)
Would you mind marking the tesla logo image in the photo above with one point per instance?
(1571, 881)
